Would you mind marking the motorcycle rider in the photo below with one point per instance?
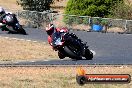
(3, 13)
(51, 31)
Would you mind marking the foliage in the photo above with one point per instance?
(94, 8)
(76, 20)
(97, 8)
(100, 21)
(69, 19)
(96, 21)
(104, 22)
(85, 20)
(122, 10)
(35, 5)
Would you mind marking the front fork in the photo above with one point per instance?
(16, 26)
(85, 47)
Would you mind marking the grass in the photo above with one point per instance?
(44, 77)
(10, 5)
(11, 50)
(55, 77)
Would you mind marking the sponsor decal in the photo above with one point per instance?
(83, 78)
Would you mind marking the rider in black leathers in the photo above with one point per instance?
(2, 16)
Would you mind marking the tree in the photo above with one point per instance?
(35, 5)
(122, 10)
(98, 8)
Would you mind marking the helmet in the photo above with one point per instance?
(50, 29)
(9, 18)
(2, 11)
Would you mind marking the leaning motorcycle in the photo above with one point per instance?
(11, 24)
(69, 45)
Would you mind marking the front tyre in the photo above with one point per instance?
(19, 28)
(88, 54)
(70, 53)
(60, 55)
(22, 31)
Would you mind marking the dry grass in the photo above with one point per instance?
(115, 29)
(10, 5)
(55, 77)
(24, 50)
(44, 77)
(11, 50)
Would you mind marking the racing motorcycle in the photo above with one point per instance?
(11, 24)
(69, 45)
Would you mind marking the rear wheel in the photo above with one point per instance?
(88, 54)
(12, 32)
(4, 28)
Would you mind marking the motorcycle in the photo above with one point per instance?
(69, 45)
(11, 24)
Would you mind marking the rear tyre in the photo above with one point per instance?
(9, 32)
(88, 54)
(4, 28)
(12, 32)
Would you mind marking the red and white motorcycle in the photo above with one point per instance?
(69, 45)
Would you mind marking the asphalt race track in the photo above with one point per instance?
(110, 48)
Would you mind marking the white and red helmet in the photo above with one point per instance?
(2, 11)
(50, 29)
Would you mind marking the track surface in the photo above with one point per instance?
(110, 48)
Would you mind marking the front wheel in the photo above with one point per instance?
(22, 31)
(71, 53)
(60, 55)
(19, 29)
(88, 54)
